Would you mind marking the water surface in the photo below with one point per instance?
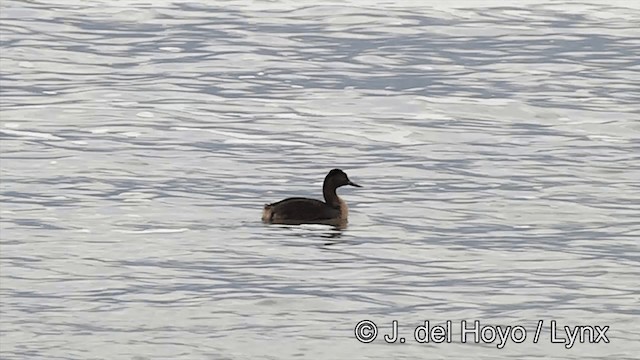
(498, 147)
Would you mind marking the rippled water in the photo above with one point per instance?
(499, 147)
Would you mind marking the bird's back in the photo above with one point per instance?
(299, 210)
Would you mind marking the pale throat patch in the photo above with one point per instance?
(344, 209)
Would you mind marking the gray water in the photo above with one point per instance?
(498, 147)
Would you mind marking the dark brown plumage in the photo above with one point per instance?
(303, 210)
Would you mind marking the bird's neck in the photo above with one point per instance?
(330, 196)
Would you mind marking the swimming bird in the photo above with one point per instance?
(299, 210)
